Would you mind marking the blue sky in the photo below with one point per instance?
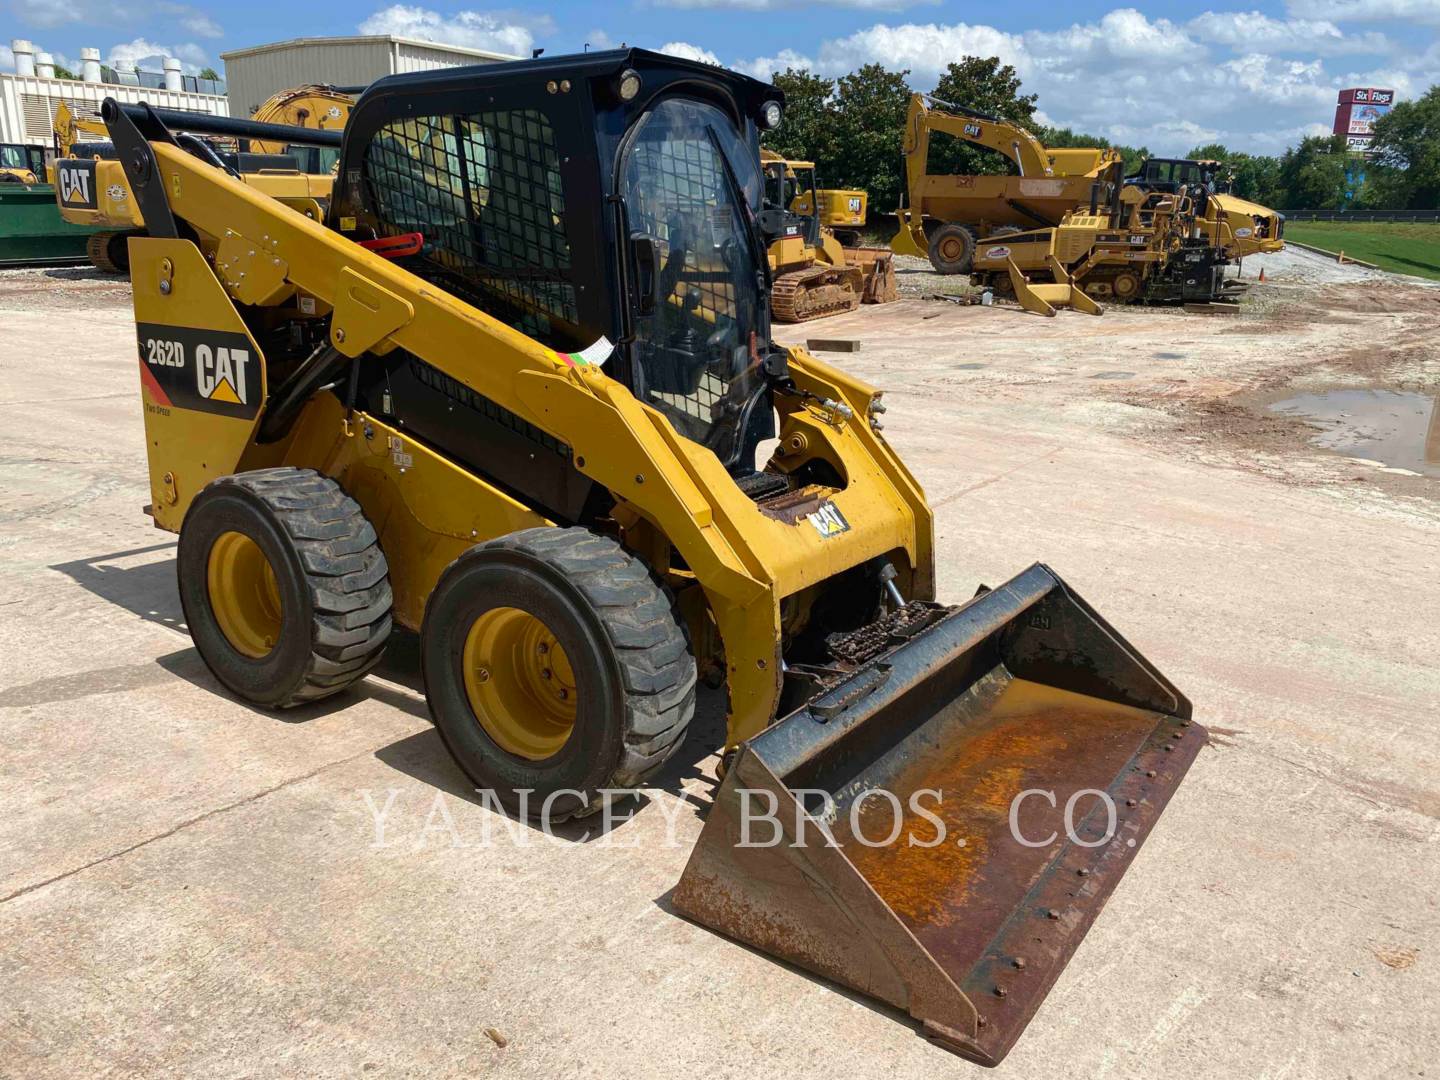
(1254, 75)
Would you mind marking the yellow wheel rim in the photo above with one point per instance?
(520, 683)
(951, 248)
(244, 594)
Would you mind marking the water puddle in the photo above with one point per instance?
(1113, 375)
(970, 367)
(1169, 356)
(1399, 429)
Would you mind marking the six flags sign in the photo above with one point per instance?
(1356, 112)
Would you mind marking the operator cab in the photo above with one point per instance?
(1183, 176)
(606, 198)
(17, 161)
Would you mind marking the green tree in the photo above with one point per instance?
(1407, 152)
(807, 130)
(1253, 177)
(1064, 137)
(62, 72)
(868, 124)
(209, 73)
(985, 85)
(1312, 175)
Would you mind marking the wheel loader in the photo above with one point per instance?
(91, 188)
(814, 274)
(517, 392)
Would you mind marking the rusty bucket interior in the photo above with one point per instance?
(920, 852)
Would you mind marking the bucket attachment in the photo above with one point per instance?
(967, 739)
(1043, 299)
(909, 239)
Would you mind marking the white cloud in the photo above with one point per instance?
(686, 51)
(7, 58)
(202, 25)
(599, 39)
(497, 31)
(1420, 11)
(775, 5)
(1252, 31)
(47, 14)
(1251, 81)
(150, 56)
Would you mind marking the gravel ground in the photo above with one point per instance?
(190, 887)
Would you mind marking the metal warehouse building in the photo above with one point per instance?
(253, 74)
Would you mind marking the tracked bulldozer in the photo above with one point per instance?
(813, 274)
(511, 393)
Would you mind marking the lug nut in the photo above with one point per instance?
(483, 675)
(545, 673)
(1018, 963)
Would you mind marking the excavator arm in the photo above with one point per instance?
(69, 126)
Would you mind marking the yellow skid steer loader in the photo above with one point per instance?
(510, 393)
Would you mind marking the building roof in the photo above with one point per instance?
(294, 43)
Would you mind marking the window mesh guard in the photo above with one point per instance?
(683, 185)
(485, 192)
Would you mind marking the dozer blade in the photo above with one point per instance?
(878, 266)
(993, 719)
(1045, 298)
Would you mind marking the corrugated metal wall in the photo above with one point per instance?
(27, 103)
(253, 77)
(407, 56)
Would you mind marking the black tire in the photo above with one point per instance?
(331, 576)
(952, 249)
(634, 674)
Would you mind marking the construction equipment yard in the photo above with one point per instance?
(190, 885)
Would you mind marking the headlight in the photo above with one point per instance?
(629, 84)
(770, 115)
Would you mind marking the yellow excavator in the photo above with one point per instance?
(812, 273)
(946, 215)
(513, 397)
(91, 189)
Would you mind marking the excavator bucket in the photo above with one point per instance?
(910, 239)
(1044, 298)
(939, 829)
(878, 266)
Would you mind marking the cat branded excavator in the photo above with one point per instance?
(516, 391)
(91, 188)
(947, 215)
